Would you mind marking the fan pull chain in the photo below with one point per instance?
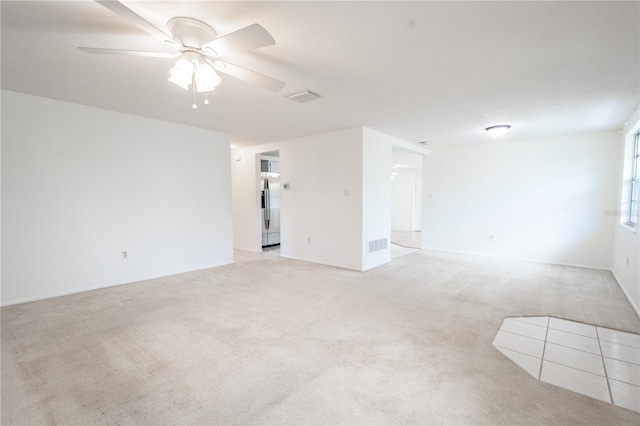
(193, 79)
(206, 98)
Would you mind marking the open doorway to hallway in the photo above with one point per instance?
(406, 200)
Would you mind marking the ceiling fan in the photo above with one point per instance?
(198, 47)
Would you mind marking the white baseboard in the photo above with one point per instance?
(522, 259)
(335, 265)
(83, 290)
(626, 294)
(60, 294)
(368, 268)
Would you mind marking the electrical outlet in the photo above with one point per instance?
(124, 254)
(491, 237)
(627, 261)
(308, 240)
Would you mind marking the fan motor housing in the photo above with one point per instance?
(191, 32)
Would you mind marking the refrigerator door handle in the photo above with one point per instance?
(267, 211)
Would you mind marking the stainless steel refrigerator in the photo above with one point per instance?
(270, 196)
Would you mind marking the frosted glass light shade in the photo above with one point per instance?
(181, 73)
(206, 78)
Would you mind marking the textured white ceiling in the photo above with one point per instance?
(436, 71)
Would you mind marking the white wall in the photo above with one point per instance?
(406, 200)
(403, 198)
(417, 201)
(245, 181)
(626, 243)
(542, 199)
(324, 203)
(80, 184)
(340, 197)
(325, 199)
(376, 195)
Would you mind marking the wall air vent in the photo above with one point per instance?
(377, 245)
(305, 96)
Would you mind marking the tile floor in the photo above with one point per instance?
(595, 361)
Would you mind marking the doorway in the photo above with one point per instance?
(406, 200)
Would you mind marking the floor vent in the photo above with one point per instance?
(305, 96)
(377, 245)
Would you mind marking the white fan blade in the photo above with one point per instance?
(244, 74)
(129, 52)
(122, 10)
(248, 38)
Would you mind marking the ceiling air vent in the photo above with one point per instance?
(305, 96)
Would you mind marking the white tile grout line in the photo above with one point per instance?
(575, 349)
(626, 383)
(571, 332)
(619, 360)
(518, 352)
(575, 368)
(519, 334)
(544, 348)
(620, 344)
(606, 376)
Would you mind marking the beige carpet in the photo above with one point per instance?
(276, 341)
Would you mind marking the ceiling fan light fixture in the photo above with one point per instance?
(206, 78)
(195, 41)
(499, 130)
(181, 73)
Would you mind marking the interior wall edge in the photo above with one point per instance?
(626, 293)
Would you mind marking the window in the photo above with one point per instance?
(628, 212)
(635, 182)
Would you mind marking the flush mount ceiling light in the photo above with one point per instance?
(497, 131)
